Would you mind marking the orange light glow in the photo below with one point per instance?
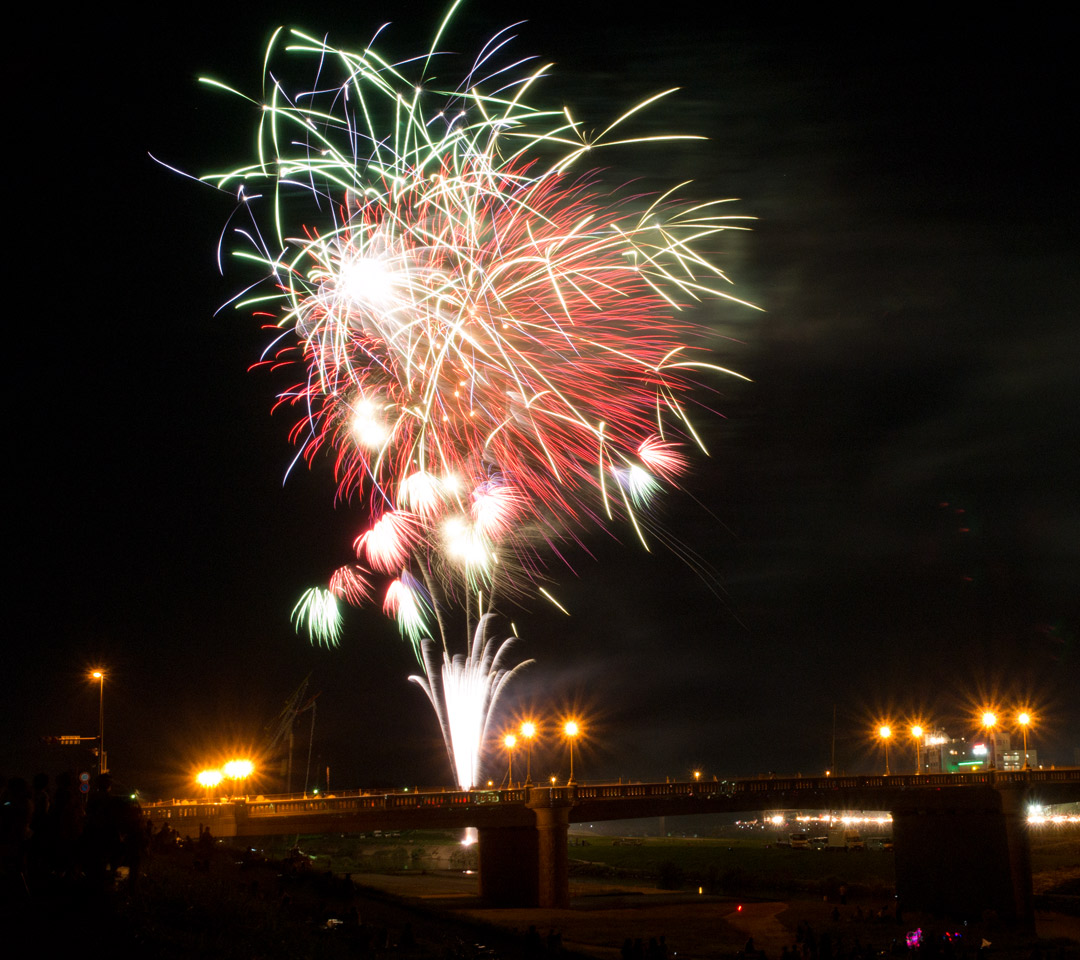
(238, 769)
(209, 778)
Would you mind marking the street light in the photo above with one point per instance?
(99, 676)
(510, 741)
(238, 769)
(1024, 719)
(885, 731)
(988, 721)
(917, 732)
(208, 779)
(528, 731)
(571, 729)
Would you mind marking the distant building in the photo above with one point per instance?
(945, 754)
(1017, 759)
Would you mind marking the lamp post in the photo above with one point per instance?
(885, 731)
(510, 741)
(571, 729)
(916, 733)
(99, 676)
(528, 731)
(1024, 719)
(988, 721)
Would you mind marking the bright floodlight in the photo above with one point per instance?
(208, 778)
(916, 731)
(571, 729)
(528, 729)
(509, 741)
(884, 732)
(1024, 719)
(238, 769)
(988, 719)
(97, 675)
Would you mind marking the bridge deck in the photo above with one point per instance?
(590, 802)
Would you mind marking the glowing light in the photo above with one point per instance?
(406, 601)
(368, 426)
(1057, 819)
(466, 544)
(209, 778)
(238, 769)
(885, 731)
(317, 612)
(1024, 719)
(464, 691)
(420, 492)
(988, 719)
(493, 508)
(528, 729)
(485, 340)
(388, 543)
(350, 584)
(916, 731)
(509, 741)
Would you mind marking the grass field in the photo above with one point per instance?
(736, 866)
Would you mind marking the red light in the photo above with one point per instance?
(739, 909)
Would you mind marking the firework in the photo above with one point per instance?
(463, 690)
(487, 338)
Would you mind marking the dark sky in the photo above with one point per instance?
(890, 513)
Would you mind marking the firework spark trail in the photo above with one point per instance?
(488, 341)
(463, 690)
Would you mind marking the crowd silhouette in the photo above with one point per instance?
(57, 839)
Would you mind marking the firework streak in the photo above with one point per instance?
(485, 335)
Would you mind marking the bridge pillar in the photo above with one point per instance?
(553, 860)
(1014, 812)
(528, 866)
(963, 853)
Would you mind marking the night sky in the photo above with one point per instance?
(888, 523)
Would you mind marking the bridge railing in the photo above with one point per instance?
(391, 801)
(187, 811)
(595, 793)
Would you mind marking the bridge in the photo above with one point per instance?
(960, 840)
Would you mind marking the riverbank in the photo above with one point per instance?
(234, 903)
